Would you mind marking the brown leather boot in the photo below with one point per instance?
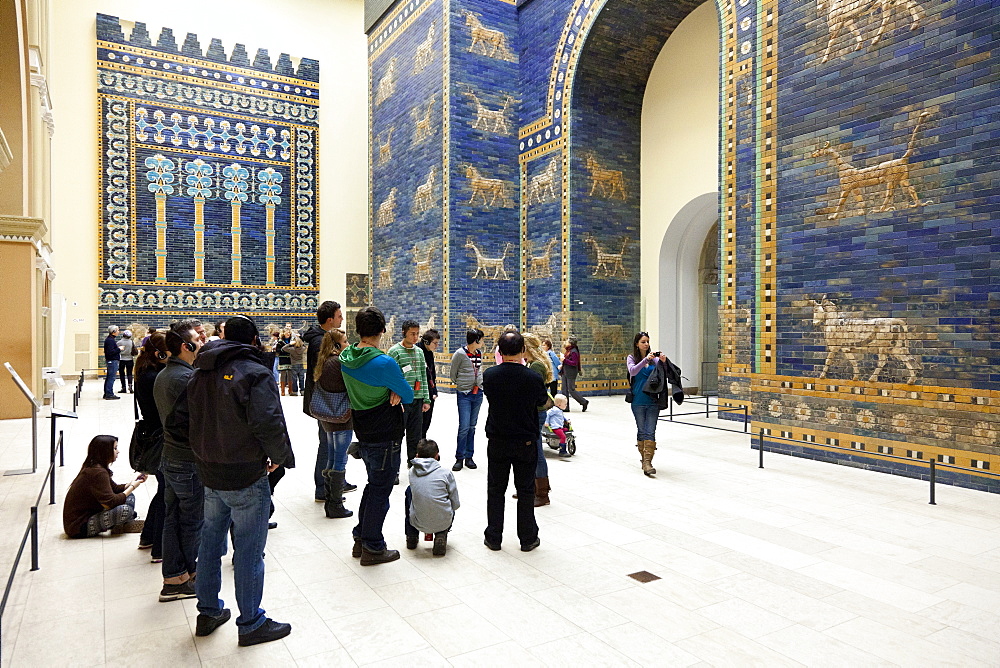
(648, 448)
(283, 387)
(542, 492)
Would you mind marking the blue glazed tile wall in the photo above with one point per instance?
(406, 99)
(176, 119)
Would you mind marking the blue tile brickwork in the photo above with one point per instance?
(484, 230)
(886, 236)
(408, 171)
(208, 180)
(914, 278)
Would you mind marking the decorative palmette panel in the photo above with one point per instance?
(208, 180)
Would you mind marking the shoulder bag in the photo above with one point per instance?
(146, 448)
(332, 407)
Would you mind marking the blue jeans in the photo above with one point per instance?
(382, 462)
(542, 467)
(246, 510)
(274, 370)
(109, 379)
(468, 415)
(332, 454)
(298, 379)
(645, 421)
(184, 512)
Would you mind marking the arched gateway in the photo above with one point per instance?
(844, 163)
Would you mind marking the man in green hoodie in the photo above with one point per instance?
(376, 387)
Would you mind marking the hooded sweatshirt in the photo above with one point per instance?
(369, 375)
(232, 412)
(435, 496)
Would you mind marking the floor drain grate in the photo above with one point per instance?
(644, 576)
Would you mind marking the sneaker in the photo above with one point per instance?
(112, 397)
(177, 592)
(145, 546)
(156, 560)
(411, 542)
(348, 487)
(369, 558)
(469, 464)
(493, 546)
(563, 453)
(458, 465)
(272, 525)
(266, 632)
(205, 624)
(531, 546)
(440, 544)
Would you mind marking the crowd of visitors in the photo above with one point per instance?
(211, 429)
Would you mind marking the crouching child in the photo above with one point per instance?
(431, 499)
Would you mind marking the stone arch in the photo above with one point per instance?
(680, 322)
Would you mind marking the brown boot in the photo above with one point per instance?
(283, 387)
(542, 492)
(648, 448)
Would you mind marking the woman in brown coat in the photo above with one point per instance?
(338, 435)
(94, 501)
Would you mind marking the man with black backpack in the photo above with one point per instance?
(238, 435)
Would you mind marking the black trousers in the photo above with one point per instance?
(502, 456)
(413, 419)
(427, 420)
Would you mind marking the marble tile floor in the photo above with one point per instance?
(801, 563)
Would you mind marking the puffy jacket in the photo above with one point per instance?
(369, 375)
(435, 496)
(313, 338)
(233, 415)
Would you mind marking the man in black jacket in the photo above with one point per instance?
(237, 433)
(112, 357)
(330, 317)
(515, 393)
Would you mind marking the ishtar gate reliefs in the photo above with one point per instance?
(859, 298)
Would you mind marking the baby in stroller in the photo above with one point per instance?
(558, 430)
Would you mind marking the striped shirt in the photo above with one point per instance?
(414, 366)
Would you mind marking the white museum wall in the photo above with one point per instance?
(331, 31)
(679, 177)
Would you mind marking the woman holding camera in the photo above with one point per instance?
(644, 408)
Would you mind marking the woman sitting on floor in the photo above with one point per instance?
(95, 502)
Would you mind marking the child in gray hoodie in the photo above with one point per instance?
(431, 499)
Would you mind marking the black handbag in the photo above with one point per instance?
(332, 407)
(146, 448)
(630, 393)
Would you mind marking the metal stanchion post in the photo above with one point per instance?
(746, 420)
(58, 413)
(933, 480)
(760, 446)
(34, 538)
